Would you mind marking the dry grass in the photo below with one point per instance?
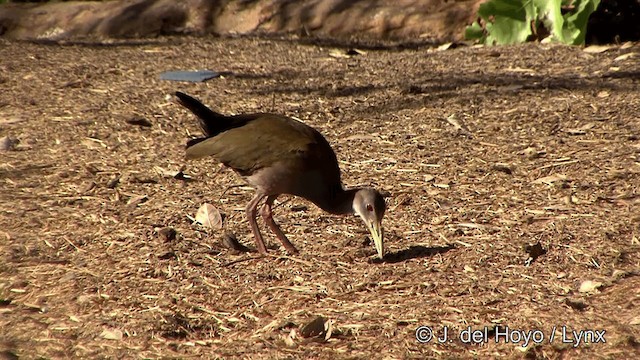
(482, 150)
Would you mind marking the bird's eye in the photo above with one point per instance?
(369, 207)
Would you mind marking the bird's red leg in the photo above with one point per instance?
(252, 211)
(267, 215)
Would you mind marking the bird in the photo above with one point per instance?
(279, 155)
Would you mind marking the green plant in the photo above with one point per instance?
(516, 21)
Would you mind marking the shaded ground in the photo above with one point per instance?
(550, 157)
(438, 20)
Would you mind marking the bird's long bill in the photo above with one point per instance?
(376, 232)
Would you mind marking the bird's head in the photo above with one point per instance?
(370, 206)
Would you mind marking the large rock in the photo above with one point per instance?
(405, 19)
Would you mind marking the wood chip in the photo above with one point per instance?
(137, 200)
(112, 334)
(549, 180)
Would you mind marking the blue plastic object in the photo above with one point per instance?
(190, 76)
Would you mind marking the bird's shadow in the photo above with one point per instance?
(413, 252)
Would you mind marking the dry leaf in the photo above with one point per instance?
(635, 321)
(625, 56)
(588, 286)
(315, 327)
(596, 49)
(209, 216)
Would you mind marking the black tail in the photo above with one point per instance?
(211, 122)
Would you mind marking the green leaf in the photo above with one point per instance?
(576, 22)
(551, 17)
(513, 21)
(474, 32)
(507, 21)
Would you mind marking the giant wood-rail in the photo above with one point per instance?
(279, 155)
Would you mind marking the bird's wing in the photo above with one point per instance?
(263, 141)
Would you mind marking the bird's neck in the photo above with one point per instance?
(339, 201)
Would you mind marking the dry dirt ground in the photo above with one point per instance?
(548, 155)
